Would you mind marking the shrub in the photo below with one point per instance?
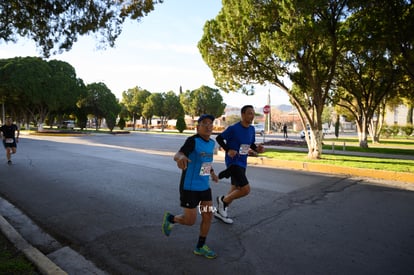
(121, 123)
(395, 130)
(386, 131)
(408, 129)
(180, 124)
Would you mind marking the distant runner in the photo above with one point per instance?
(8, 134)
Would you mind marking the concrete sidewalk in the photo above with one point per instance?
(56, 259)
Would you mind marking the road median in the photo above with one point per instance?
(329, 169)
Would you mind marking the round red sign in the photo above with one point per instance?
(266, 109)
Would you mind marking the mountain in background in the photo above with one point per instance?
(284, 107)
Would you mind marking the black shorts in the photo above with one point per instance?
(238, 176)
(10, 144)
(191, 199)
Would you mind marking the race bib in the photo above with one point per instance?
(244, 149)
(205, 169)
(9, 140)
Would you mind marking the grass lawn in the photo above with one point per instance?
(12, 261)
(388, 147)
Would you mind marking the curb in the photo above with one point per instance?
(43, 263)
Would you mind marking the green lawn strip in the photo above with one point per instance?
(389, 142)
(397, 165)
(13, 261)
(380, 150)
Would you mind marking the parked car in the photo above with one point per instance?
(302, 133)
(259, 129)
(68, 124)
(327, 131)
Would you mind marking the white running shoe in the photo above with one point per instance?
(221, 209)
(223, 219)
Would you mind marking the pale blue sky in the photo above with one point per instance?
(158, 54)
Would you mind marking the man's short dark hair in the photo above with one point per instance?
(245, 107)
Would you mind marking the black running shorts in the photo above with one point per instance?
(191, 199)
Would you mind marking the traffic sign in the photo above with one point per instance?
(266, 109)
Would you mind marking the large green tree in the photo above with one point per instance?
(37, 87)
(266, 41)
(101, 103)
(163, 105)
(134, 100)
(204, 100)
(378, 55)
(153, 103)
(364, 85)
(391, 25)
(58, 24)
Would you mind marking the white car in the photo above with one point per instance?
(68, 124)
(302, 134)
(259, 129)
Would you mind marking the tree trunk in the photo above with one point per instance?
(314, 144)
(162, 124)
(134, 118)
(362, 133)
(410, 114)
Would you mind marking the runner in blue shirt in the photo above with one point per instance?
(195, 159)
(237, 140)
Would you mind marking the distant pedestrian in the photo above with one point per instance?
(237, 140)
(285, 134)
(8, 133)
(195, 159)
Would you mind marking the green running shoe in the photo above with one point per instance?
(205, 251)
(166, 224)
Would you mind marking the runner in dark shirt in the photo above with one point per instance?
(8, 134)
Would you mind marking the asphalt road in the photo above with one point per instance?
(104, 196)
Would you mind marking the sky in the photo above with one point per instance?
(158, 54)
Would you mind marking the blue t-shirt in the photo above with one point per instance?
(200, 152)
(238, 138)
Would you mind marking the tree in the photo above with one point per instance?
(264, 41)
(110, 119)
(204, 100)
(365, 80)
(121, 123)
(68, 89)
(59, 23)
(172, 106)
(154, 102)
(391, 25)
(36, 87)
(180, 125)
(368, 76)
(134, 100)
(102, 103)
(165, 106)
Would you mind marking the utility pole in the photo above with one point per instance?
(269, 115)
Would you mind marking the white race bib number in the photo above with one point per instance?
(244, 149)
(9, 140)
(205, 169)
